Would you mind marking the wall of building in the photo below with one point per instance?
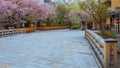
(115, 3)
(47, 1)
(108, 20)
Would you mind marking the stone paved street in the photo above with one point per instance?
(46, 49)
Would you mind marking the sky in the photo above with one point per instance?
(41, 1)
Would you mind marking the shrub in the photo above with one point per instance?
(75, 27)
(106, 34)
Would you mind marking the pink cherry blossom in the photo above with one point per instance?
(17, 9)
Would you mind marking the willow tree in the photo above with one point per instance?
(96, 9)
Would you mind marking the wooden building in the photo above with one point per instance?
(47, 1)
(115, 3)
(114, 17)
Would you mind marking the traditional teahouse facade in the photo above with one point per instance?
(114, 17)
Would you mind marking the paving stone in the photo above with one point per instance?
(46, 49)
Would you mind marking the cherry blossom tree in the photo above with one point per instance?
(51, 15)
(96, 9)
(7, 8)
(74, 16)
(16, 10)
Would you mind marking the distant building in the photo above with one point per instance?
(114, 17)
(115, 4)
(47, 1)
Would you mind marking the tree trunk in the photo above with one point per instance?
(100, 27)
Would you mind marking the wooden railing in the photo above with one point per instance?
(9, 32)
(105, 50)
(30, 29)
(51, 27)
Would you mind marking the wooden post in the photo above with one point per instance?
(110, 54)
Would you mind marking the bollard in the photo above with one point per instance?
(110, 53)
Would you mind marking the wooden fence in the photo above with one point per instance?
(30, 29)
(105, 50)
(51, 27)
(9, 32)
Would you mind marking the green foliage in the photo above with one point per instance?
(27, 24)
(106, 34)
(75, 27)
(96, 8)
(62, 12)
(62, 9)
(73, 6)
